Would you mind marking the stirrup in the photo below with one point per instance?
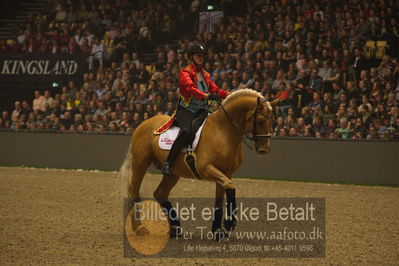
(190, 159)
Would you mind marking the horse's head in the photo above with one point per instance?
(259, 124)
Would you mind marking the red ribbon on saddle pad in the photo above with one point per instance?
(166, 125)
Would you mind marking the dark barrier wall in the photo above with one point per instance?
(295, 159)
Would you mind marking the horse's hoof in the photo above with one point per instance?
(229, 225)
(142, 230)
(219, 234)
(175, 231)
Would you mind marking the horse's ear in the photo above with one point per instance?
(275, 102)
(259, 100)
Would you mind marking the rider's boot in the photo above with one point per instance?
(177, 146)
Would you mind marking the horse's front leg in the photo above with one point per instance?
(217, 229)
(226, 183)
(231, 219)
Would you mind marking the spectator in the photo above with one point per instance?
(293, 132)
(300, 126)
(343, 131)
(385, 69)
(101, 110)
(5, 120)
(366, 114)
(325, 70)
(358, 131)
(26, 110)
(395, 129)
(72, 90)
(317, 102)
(282, 132)
(335, 76)
(97, 53)
(48, 99)
(357, 64)
(315, 83)
(66, 120)
(38, 102)
(319, 127)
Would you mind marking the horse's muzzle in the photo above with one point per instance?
(263, 151)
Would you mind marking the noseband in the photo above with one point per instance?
(253, 136)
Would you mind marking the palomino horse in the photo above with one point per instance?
(219, 154)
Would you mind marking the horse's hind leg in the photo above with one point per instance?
(139, 168)
(161, 194)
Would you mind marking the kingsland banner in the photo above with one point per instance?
(42, 67)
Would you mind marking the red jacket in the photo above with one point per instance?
(188, 84)
(188, 89)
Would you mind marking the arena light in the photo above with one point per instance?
(210, 7)
(55, 84)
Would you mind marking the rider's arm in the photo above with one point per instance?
(187, 86)
(213, 88)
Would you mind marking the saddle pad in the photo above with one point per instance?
(167, 138)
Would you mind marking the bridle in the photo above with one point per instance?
(254, 136)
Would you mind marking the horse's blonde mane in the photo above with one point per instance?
(239, 93)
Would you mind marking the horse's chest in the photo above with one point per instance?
(229, 158)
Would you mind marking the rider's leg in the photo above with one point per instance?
(184, 120)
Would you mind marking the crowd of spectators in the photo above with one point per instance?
(307, 53)
(101, 29)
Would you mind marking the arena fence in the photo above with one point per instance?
(361, 162)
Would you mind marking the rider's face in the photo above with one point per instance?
(198, 59)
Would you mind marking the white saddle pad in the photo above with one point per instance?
(167, 138)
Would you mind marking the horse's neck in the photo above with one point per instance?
(237, 111)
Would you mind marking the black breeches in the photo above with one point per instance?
(184, 120)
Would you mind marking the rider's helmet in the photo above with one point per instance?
(193, 49)
(196, 48)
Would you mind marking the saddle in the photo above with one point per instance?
(196, 124)
(167, 138)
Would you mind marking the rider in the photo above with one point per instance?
(195, 87)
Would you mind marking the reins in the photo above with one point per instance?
(237, 129)
(254, 136)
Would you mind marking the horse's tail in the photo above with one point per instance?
(136, 162)
(125, 175)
